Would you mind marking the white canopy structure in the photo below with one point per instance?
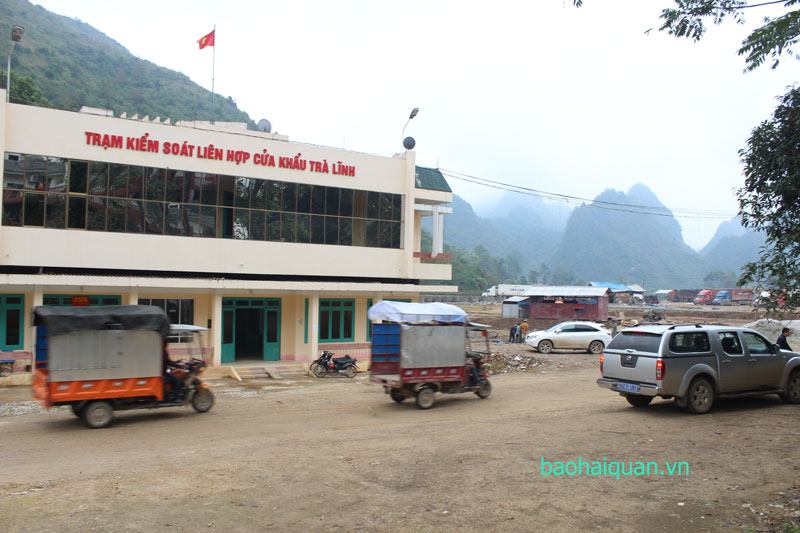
(416, 313)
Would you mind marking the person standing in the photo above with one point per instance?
(512, 333)
(782, 343)
(523, 330)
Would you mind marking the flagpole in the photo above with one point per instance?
(213, 68)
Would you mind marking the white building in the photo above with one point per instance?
(278, 247)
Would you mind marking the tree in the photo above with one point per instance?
(23, 90)
(775, 37)
(768, 201)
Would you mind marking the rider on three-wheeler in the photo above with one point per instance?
(105, 358)
(420, 349)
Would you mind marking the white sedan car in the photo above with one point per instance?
(570, 335)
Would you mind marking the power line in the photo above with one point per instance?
(597, 204)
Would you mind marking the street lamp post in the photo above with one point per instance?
(16, 36)
(408, 143)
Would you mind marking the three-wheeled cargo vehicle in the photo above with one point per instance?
(420, 349)
(106, 358)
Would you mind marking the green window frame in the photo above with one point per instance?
(336, 320)
(305, 325)
(12, 322)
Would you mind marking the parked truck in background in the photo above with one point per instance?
(506, 290)
(734, 297)
(682, 295)
(706, 296)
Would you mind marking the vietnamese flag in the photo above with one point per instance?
(207, 40)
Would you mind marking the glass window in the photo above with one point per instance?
(118, 180)
(686, 342)
(345, 231)
(187, 311)
(373, 233)
(289, 202)
(14, 171)
(303, 228)
(226, 186)
(386, 234)
(386, 206)
(241, 224)
(56, 174)
(756, 344)
(34, 209)
(154, 218)
(174, 220)
(35, 172)
(135, 182)
(96, 214)
(336, 320)
(173, 187)
(318, 200)
(192, 187)
(241, 196)
(116, 215)
(12, 321)
(257, 225)
(396, 233)
(154, 188)
(274, 190)
(78, 176)
(397, 208)
(258, 195)
(208, 221)
(373, 204)
(173, 311)
(12, 208)
(273, 226)
(360, 204)
(98, 178)
(359, 232)
(332, 201)
(346, 203)
(318, 229)
(304, 198)
(191, 220)
(209, 196)
(135, 220)
(730, 343)
(331, 230)
(288, 227)
(56, 211)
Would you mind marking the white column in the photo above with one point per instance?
(215, 332)
(313, 322)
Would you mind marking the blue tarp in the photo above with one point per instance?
(416, 313)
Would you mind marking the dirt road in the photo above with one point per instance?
(340, 455)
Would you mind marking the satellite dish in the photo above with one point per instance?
(409, 143)
(264, 125)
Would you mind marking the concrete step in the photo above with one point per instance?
(290, 371)
(253, 373)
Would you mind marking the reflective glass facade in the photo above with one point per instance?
(58, 193)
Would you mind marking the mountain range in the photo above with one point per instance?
(599, 242)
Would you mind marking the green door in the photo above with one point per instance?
(251, 329)
(228, 334)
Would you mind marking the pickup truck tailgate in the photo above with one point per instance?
(630, 366)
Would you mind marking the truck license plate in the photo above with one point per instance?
(628, 387)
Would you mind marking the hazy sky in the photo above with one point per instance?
(534, 93)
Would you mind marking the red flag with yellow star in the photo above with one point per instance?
(207, 40)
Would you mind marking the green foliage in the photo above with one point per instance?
(775, 37)
(75, 65)
(24, 90)
(768, 201)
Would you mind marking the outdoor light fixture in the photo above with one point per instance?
(409, 142)
(16, 36)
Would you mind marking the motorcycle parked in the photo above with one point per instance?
(328, 364)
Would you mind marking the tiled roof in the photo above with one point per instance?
(431, 178)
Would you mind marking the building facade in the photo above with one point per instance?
(277, 247)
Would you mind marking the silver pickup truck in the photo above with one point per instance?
(696, 363)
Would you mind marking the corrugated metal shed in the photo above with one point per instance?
(515, 299)
(567, 291)
(616, 287)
